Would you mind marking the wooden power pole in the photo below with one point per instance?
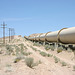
(3, 31)
(9, 34)
(12, 33)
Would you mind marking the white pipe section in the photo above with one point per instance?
(42, 37)
(31, 38)
(37, 38)
(52, 36)
(67, 35)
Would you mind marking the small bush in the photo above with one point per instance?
(47, 47)
(39, 50)
(49, 55)
(34, 48)
(29, 53)
(43, 54)
(52, 47)
(17, 59)
(74, 68)
(18, 40)
(26, 53)
(22, 46)
(9, 49)
(1, 52)
(17, 50)
(25, 47)
(39, 62)
(56, 59)
(2, 45)
(8, 68)
(36, 44)
(63, 63)
(30, 62)
(58, 51)
(69, 50)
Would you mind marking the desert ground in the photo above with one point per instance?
(23, 57)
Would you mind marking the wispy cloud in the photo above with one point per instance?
(14, 19)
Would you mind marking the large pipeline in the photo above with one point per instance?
(65, 35)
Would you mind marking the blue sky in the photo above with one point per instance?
(37, 16)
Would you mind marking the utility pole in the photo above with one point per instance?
(9, 34)
(3, 31)
(12, 33)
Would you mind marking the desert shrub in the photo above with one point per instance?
(30, 62)
(56, 59)
(36, 44)
(34, 48)
(39, 62)
(43, 54)
(39, 50)
(25, 47)
(22, 47)
(63, 63)
(17, 50)
(21, 44)
(26, 53)
(8, 68)
(74, 68)
(18, 40)
(2, 45)
(73, 49)
(59, 49)
(1, 40)
(49, 55)
(47, 47)
(69, 50)
(21, 51)
(9, 49)
(74, 54)
(1, 52)
(52, 47)
(8, 65)
(29, 53)
(17, 59)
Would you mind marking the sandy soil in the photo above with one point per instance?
(47, 67)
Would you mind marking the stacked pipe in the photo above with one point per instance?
(65, 35)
